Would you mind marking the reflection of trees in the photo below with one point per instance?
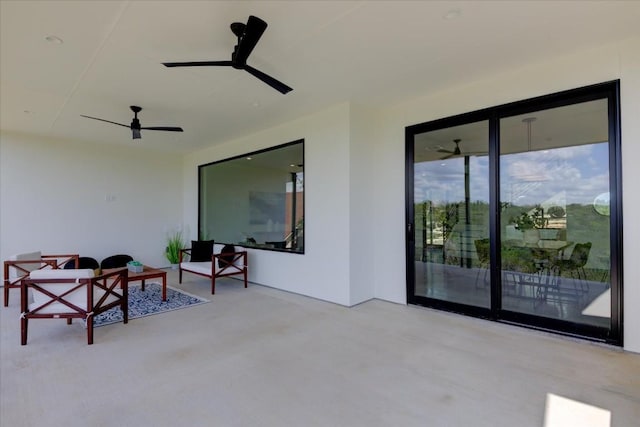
(556, 212)
(437, 221)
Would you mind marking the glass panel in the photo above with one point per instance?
(555, 236)
(255, 200)
(451, 214)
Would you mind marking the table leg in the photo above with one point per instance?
(164, 287)
(142, 287)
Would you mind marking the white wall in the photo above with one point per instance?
(52, 198)
(362, 226)
(610, 62)
(630, 106)
(323, 270)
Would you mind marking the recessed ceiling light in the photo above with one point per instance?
(452, 14)
(256, 104)
(249, 158)
(292, 165)
(28, 112)
(54, 39)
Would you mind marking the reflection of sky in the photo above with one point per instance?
(571, 174)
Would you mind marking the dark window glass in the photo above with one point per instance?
(255, 200)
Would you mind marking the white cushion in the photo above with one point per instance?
(197, 267)
(14, 273)
(77, 297)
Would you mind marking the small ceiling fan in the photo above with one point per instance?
(248, 36)
(456, 151)
(135, 124)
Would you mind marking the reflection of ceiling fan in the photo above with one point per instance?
(456, 151)
(248, 36)
(135, 124)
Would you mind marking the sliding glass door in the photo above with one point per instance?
(555, 229)
(513, 213)
(451, 211)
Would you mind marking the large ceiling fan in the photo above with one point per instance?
(248, 35)
(135, 124)
(456, 151)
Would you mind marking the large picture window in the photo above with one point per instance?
(255, 200)
(514, 213)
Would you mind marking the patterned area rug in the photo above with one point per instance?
(148, 302)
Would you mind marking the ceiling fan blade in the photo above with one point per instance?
(167, 128)
(103, 120)
(277, 85)
(198, 64)
(442, 150)
(447, 157)
(252, 33)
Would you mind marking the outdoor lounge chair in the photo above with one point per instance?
(223, 263)
(17, 267)
(72, 294)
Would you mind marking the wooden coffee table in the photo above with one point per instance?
(146, 274)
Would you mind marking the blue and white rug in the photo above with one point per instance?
(148, 302)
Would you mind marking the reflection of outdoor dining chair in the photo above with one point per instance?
(519, 267)
(482, 250)
(575, 264)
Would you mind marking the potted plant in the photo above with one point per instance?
(174, 245)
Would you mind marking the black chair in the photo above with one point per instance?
(83, 262)
(115, 261)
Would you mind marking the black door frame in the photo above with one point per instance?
(608, 90)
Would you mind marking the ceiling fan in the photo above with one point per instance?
(248, 36)
(135, 124)
(456, 151)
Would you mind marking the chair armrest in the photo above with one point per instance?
(183, 253)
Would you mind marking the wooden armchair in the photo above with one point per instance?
(17, 267)
(223, 263)
(72, 294)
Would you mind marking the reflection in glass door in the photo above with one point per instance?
(555, 227)
(451, 215)
(514, 213)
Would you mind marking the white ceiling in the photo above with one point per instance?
(373, 53)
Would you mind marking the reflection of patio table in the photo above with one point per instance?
(539, 281)
(556, 245)
(546, 249)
